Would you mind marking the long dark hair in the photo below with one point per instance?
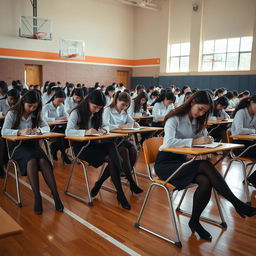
(244, 103)
(95, 97)
(121, 96)
(58, 94)
(166, 94)
(109, 89)
(4, 86)
(137, 105)
(200, 97)
(78, 92)
(223, 101)
(30, 97)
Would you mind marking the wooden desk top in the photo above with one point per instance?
(202, 151)
(244, 136)
(2, 117)
(160, 120)
(143, 129)
(57, 123)
(142, 117)
(8, 225)
(230, 110)
(86, 138)
(229, 121)
(42, 136)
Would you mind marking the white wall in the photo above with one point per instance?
(106, 26)
(228, 18)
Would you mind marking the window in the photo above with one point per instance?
(227, 54)
(179, 60)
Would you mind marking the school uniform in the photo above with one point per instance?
(2, 96)
(28, 149)
(179, 132)
(50, 112)
(4, 106)
(159, 111)
(95, 154)
(231, 104)
(108, 100)
(180, 100)
(69, 104)
(45, 98)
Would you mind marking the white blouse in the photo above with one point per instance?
(69, 104)
(243, 123)
(112, 119)
(50, 113)
(131, 110)
(4, 106)
(9, 120)
(179, 131)
(160, 110)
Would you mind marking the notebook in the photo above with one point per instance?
(132, 128)
(211, 145)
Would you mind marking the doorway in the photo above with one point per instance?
(123, 77)
(33, 75)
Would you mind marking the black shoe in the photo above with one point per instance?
(135, 189)
(123, 201)
(58, 204)
(65, 159)
(38, 207)
(246, 212)
(95, 190)
(198, 228)
(252, 181)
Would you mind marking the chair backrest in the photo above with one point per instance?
(229, 139)
(151, 148)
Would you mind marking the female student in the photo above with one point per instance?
(22, 119)
(109, 93)
(219, 114)
(86, 119)
(3, 89)
(54, 111)
(116, 117)
(153, 96)
(77, 96)
(49, 93)
(11, 99)
(162, 106)
(139, 105)
(245, 123)
(184, 127)
(184, 90)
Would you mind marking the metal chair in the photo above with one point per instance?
(242, 160)
(151, 149)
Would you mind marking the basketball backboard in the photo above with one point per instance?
(74, 49)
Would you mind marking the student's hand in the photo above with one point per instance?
(92, 131)
(136, 125)
(102, 131)
(26, 131)
(128, 125)
(61, 118)
(35, 131)
(203, 140)
(4, 113)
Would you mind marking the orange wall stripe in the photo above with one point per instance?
(88, 59)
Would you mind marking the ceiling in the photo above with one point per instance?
(148, 4)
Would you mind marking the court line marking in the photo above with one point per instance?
(86, 223)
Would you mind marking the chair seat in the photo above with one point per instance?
(162, 182)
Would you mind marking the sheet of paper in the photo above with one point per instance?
(212, 145)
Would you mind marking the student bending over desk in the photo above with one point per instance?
(86, 119)
(22, 119)
(245, 123)
(184, 127)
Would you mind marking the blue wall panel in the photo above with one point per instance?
(231, 82)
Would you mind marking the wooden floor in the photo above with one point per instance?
(55, 233)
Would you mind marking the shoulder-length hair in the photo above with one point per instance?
(58, 94)
(30, 97)
(200, 97)
(244, 103)
(137, 105)
(121, 96)
(95, 97)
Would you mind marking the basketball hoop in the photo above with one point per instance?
(73, 55)
(39, 35)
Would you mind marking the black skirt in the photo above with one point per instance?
(28, 150)
(250, 153)
(167, 163)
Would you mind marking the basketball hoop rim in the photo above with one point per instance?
(39, 35)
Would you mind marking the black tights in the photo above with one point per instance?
(207, 178)
(129, 156)
(33, 166)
